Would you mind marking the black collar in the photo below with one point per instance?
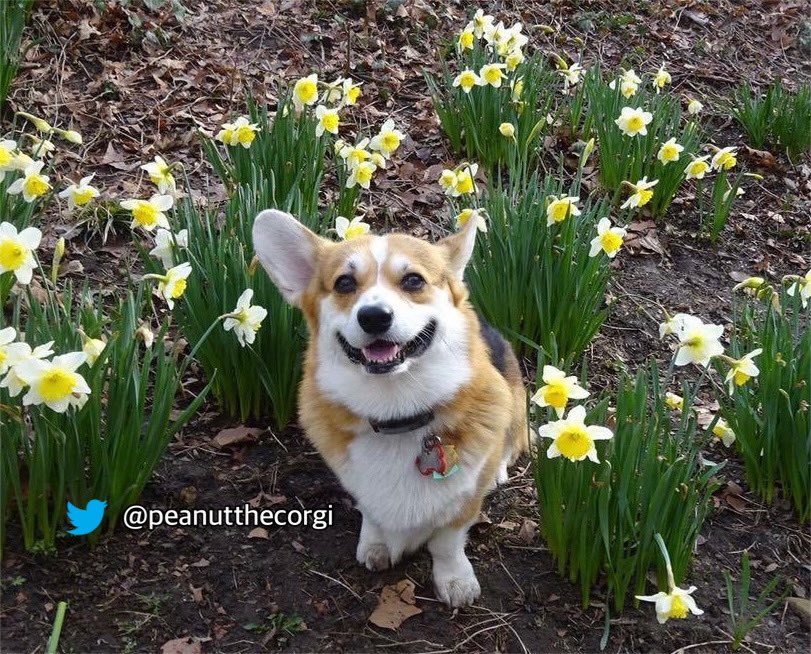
(402, 425)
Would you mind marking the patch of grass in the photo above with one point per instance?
(13, 15)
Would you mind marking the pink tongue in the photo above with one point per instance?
(381, 351)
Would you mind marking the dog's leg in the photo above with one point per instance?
(372, 550)
(454, 580)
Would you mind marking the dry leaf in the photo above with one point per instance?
(234, 435)
(258, 532)
(396, 605)
(187, 645)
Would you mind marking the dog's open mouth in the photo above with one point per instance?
(382, 356)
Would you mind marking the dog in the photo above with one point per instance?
(413, 400)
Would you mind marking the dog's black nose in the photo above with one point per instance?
(375, 318)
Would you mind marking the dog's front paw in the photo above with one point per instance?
(457, 591)
(375, 556)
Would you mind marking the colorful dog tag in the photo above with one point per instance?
(436, 459)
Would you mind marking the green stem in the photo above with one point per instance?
(53, 641)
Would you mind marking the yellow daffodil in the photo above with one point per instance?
(39, 123)
(167, 243)
(465, 183)
(41, 148)
(241, 132)
(750, 284)
(79, 195)
(32, 184)
(55, 383)
(669, 151)
(677, 603)
(17, 353)
(801, 285)
(172, 284)
(723, 432)
(447, 180)
(513, 59)
(560, 207)
(7, 157)
(609, 239)
(351, 91)
(305, 92)
(507, 129)
(349, 229)
(661, 79)
(492, 74)
(17, 251)
(694, 107)
(160, 174)
(471, 214)
(698, 342)
(246, 319)
(480, 24)
(361, 175)
(572, 438)
(467, 79)
(377, 159)
(465, 40)
(674, 402)
(388, 139)
(697, 168)
(724, 159)
(629, 83)
(92, 347)
(328, 120)
(641, 195)
(742, 370)
(149, 214)
(354, 155)
(633, 121)
(517, 87)
(557, 390)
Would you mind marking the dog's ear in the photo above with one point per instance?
(287, 250)
(459, 247)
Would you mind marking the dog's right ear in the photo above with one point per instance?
(287, 250)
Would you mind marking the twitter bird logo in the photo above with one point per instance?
(86, 520)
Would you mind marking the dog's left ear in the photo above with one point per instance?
(459, 247)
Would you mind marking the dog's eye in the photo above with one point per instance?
(345, 284)
(412, 282)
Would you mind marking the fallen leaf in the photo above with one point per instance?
(187, 645)
(258, 532)
(234, 435)
(396, 605)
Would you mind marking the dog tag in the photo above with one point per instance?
(436, 459)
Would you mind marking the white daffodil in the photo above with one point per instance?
(78, 195)
(694, 107)
(349, 229)
(471, 214)
(641, 195)
(149, 214)
(388, 139)
(480, 24)
(465, 40)
(241, 132)
(160, 174)
(725, 158)
(447, 180)
(354, 155)
(697, 168)
(571, 76)
(572, 438)
(361, 175)
(698, 343)
(92, 347)
(166, 243)
(16, 354)
(245, 320)
(495, 34)
(305, 92)
(41, 148)
(560, 207)
(351, 91)
(172, 284)
(70, 135)
(145, 334)
(328, 120)
(333, 91)
(492, 74)
(742, 370)
(723, 432)
(55, 383)
(674, 402)
(7, 157)
(676, 603)
(17, 251)
(467, 79)
(629, 83)
(803, 286)
(39, 123)
(672, 325)
(633, 121)
(7, 336)
(32, 184)
(557, 390)
(465, 183)
(669, 151)
(514, 59)
(661, 79)
(609, 239)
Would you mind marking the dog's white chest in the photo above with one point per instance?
(382, 474)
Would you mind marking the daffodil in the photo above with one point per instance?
(513, 59)
(480, 24)
(677, 602)
(246, 319)
(560, 207)
(21, 161)
(750, 284)
(447, 180)
(17, 251)
(465, 183)
(803, 286)
(492, 74)
(512, 41)
(723, 432)
(724, 159)
(738, 192)
(160, 174)
(328, 120)
(33, 184)
(669, 151)
(698, 342)
(39, 123)
(697, 168)
(70, 135)
(349, 229)
(41, 148)
(641, 195)
(471, 214)
(377, 159)
(557, 390)
(661, 79)
(465, 40)
(629, 83)
(507, 129)
(694, 107)
(7, 336)
(517, 86)
(241, 132)
(674, 402)
(609, 239)
(351, 91)
(166, 243)
(672, 325)
(55, 383)
(572, 438)
(145, 334)
(388, 139)
(495, 34)
(17, 353)
(92, 347)
(361, 175)
(149, 214)
(571, 75)
(333, 91)
(305, 92)
(7, 157)
(633, 121)
(172, 284)
(742, 370)
(467, 79)
(354, 155)
(78, 195)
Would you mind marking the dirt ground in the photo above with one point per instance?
(138, 91)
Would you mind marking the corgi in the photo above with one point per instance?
(413, 400)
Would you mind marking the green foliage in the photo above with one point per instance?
(769, 413)
(601, 519)
(722, 198)
(13, 14)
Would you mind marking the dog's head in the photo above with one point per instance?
(388, 314)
